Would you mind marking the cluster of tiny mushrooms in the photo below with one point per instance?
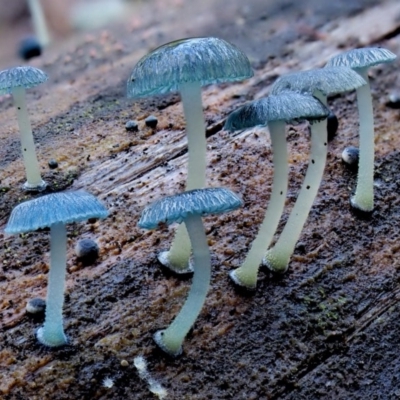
(185, 66)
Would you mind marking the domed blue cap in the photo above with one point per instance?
(204, 60)
(327, 80)
(287, 106)
(44, 211)
(362, 58)
(26, 77)
(196, 202)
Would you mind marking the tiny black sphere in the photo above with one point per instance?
(350, 156)
(53, 164)
(36, 306)
(87, 251)
(29, 48)
(132, 126)
(333, 125)
(151, 121)
(394, 100)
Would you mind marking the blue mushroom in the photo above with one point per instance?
(360, 60)
(274, 111)
(185, 66)
(189, 207)
(54, 211)
(15, 81)
(320, 83)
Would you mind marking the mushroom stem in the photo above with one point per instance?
(246, 275)
(170, 340)
(364, 195)
(52, 333)
(39, 22)
(177, 258)
(34, 180)
(195, 131)
(277, 258)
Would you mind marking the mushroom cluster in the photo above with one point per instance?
(320, 83)
(273, 111)
(185, 66)
(189, 207)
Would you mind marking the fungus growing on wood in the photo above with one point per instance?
(15, 81)
(273, 111)
(360, 60)
(320, 83)
(189, 207)
(54, 211)
(185, 66)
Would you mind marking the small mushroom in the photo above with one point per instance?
(274, 111)
(320, 83)
(186, 65)
(54, 211)
(189, 207)
(360, 60)
(15, 81)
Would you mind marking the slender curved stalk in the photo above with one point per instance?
(364, 196)
(170, 340)
(177, 258)
(277, 258)
(52, 332)
(34, 180)
(39, 22)
(246, 275)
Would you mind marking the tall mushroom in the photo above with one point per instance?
(360, 60)
(320, 83)
(186, 65)
(273, 111)
(54, 211)
(189, 207)
(15, 81)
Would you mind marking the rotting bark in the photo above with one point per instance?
(329, 328)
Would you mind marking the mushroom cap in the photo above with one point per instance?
(206, 60)
(193, 202)
(25, 76)
(53, 208)
(286, 106)
(362, 58)
(328, 80)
